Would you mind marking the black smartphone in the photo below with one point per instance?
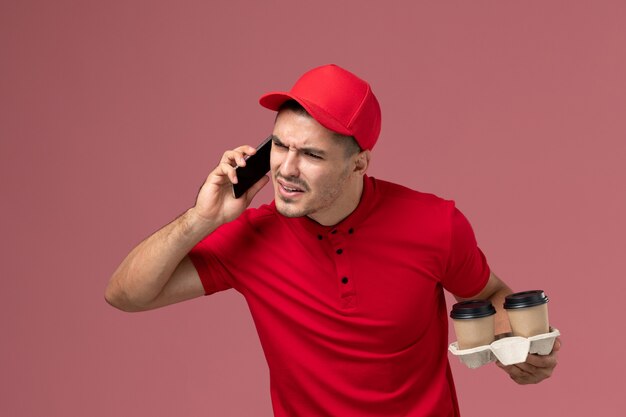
(257, 166)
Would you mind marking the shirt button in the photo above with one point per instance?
(339, 251)
(344, 280)
(351, 231)
(319, 237)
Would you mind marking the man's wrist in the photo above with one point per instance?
(196, 225)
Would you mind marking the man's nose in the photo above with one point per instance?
(289, 167)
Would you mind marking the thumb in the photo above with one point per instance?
(256, 188)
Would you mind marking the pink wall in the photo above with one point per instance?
(112, 113)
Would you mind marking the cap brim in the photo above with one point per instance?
(274, 100)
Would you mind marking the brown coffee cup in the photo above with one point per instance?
(473, 323)
(528, 313)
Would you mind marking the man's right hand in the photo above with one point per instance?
(158, 272)
(215, 203)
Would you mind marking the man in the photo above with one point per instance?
(343, 273)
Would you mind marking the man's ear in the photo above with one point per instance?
(362, 162)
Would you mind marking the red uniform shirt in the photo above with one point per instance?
(352, 318)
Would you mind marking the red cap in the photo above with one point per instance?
(339, 100)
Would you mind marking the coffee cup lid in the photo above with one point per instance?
(472, 309)
(525, 299)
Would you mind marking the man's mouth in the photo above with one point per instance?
(289, 187)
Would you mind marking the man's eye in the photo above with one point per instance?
(314, 156)
(279, 145)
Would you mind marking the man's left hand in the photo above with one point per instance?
(536, 368)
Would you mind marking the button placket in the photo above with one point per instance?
(345, 282)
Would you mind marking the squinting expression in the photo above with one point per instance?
(310, 169)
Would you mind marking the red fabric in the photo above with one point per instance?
(338, 100)
(352, 318)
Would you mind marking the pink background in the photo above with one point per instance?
(112, 114)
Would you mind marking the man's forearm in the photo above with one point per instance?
(143, 274)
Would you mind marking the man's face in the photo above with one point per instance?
(310, 169)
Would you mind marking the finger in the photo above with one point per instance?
(528, 368)
(541, 367)
(237, 156)
(512, 369)
(228, 171)
(242, 153)
(247, 149)
(517, 374)
(233, 158)
(526, 379)
(524, 373)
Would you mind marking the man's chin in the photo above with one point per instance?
(287, 209)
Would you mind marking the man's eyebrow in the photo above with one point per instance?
(315, 151)
(305, 149)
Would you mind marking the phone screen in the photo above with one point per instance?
(257, 166)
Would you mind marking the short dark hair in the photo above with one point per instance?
(350, 144)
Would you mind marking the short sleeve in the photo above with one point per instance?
(467, 271)
(212, 255)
